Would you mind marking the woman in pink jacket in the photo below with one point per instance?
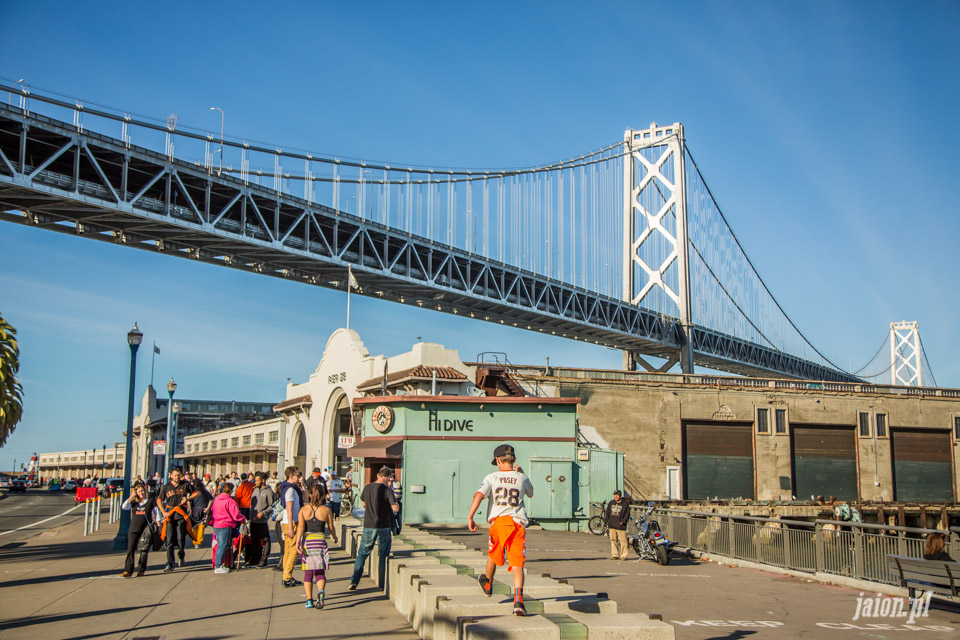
(226, 518)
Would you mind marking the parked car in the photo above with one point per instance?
(18, 485)
(70, 486)
(110, 485)
(4, 482)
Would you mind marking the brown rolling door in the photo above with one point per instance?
(718, 461)
(824, 462)
(922, 466)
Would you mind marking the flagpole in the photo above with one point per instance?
(349, 286)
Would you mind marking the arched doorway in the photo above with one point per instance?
(340, 427)
(300, 449)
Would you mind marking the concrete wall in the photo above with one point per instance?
(644, 420)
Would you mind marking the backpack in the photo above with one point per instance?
(278, 508)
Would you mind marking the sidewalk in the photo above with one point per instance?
(62, 585)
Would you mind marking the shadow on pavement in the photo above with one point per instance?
(58, 551)
(26, 622)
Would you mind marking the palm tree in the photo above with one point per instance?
(11, 393)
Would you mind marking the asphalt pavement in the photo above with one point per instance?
(26, 515)
(707, 600)
(56, 583)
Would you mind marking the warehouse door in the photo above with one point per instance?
(824, 462)
(717, 461)
(922, 466)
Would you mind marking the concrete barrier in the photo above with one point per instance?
(429, 589)
(450, 610)
(624, 626)
(509, 628)
(402, 588)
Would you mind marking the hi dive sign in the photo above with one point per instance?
(436, 423)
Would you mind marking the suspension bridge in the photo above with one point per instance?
(624, 246)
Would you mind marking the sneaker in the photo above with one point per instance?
(309, 604)
(218, 570)
(319, 601)
(290, 583)
(519, 609)
(125, 574)
(140, 574)
(168, 568)
(352, 587)
(486, 585)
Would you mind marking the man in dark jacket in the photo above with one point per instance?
(617, 516)
(261, 507)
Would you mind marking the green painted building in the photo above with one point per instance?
(442, 447)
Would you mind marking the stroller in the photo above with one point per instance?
(231, 557)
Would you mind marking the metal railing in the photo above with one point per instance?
(855, 550)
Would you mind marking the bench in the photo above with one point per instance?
(914, 574)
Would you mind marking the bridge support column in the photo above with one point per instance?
(656, 267)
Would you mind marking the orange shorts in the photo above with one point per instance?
(508, 542)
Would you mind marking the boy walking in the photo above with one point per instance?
(505, 489)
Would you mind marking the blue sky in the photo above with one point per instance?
(827, 132)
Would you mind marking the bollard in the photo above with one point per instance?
(110, 511)
(96, 517)
(86, 511)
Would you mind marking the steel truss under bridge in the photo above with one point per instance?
(57, 176)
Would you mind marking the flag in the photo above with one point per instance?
(351, 281)
(383, 382)
(156, 349)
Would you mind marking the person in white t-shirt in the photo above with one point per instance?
(292, 501)
(335, 485)
(507, 515)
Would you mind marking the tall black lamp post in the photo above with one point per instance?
(134, 338)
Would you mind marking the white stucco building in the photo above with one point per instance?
(316, 413)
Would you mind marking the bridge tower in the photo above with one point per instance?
(906, 362)
(656, 267)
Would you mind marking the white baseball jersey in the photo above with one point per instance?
(504, 491)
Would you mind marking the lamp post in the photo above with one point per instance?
(173, 439)
(115, 459)
(168, 456)
(134, 337)
(103, 462)
(221, 137)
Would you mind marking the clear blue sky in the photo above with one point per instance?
(827, 131)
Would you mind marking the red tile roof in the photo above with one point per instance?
(419, 372)
(304, 401)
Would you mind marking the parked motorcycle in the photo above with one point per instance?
(649, 542)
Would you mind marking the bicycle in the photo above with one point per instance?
(597, 525)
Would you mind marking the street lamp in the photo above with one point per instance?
(173, 441)
(168, 456)
(134, 338)
(221, 139)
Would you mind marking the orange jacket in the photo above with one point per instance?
(243, 493)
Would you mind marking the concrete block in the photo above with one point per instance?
(430, 588)
(407, 581)
(624, 626)
(393, 577)
(510, 628)
(449, 609)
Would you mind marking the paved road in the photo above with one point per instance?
(705, 600)
(27, 515)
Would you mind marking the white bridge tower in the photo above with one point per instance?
(656, 268)
(906, 363)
